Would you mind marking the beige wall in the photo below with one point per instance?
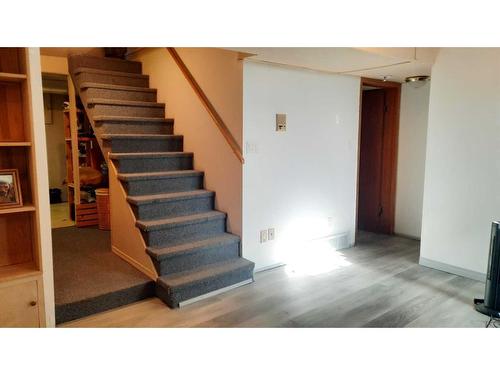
(56, 152)
(220, 74)
(54, 64)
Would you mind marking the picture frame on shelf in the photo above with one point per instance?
(10, 189)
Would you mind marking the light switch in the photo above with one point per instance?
(281, 122)
(251, 148)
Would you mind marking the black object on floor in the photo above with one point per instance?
(89, 278)
(490, 305)
(55, 196)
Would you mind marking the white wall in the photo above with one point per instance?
(462, 175)
(295, 181)
(411, 159)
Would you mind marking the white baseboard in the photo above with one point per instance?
(267, 268)
(409, 236)
(474, 275)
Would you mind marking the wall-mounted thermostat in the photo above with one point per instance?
(281, 122)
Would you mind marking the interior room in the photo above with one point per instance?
(226, 187)
(248, 187)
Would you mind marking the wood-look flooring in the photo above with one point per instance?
(379, 284)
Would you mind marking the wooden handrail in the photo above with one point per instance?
(226, 133)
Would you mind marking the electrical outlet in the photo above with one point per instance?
(270, 234)
(263, 236)
(251, 148)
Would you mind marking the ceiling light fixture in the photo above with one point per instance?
(417, 81)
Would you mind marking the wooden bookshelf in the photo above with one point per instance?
(21, 281)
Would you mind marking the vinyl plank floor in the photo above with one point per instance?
(378, 284)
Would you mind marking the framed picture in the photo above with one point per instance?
(10, 190)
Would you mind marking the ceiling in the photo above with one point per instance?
(394, 63)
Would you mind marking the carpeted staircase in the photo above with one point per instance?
(185, 236)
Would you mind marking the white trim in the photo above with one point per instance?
(267, 268)
(41, 179)
(407, 236)
(214, 293)
(474, 275)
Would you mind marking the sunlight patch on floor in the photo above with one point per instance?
(314, 258)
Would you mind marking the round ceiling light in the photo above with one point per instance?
(417, 81)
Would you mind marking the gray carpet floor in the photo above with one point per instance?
(89, 278)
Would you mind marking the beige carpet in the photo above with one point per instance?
(59, 215)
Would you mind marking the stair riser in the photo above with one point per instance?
(197, 258)
(145, 145)
(101, 303)
(187, 233)
(118, 95)
(154, 164)
(105, 64)
(173, 297)
(170, 185)
(130, 128)
(112, 79)
(124, 110)
(176, 208)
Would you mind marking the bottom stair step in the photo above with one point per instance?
(191, 255)
(176, 288)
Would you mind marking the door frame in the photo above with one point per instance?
(391, 160)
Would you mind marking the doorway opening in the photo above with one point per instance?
(379, 127)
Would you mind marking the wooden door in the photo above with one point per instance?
(370, 163)
(378, 157)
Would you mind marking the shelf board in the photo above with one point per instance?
(55, 91)
(16, 271)
(12, 77)
(15, 210)
(15, 144)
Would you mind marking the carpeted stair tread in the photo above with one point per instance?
(183, 279)
(108, 86)
(160, 253)
(158, 175)
(105, 63)
(139, 136)
(132, 119)
(131, 103)
(148, 155)
(109, 72)
(157, 198)
(159, 224)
